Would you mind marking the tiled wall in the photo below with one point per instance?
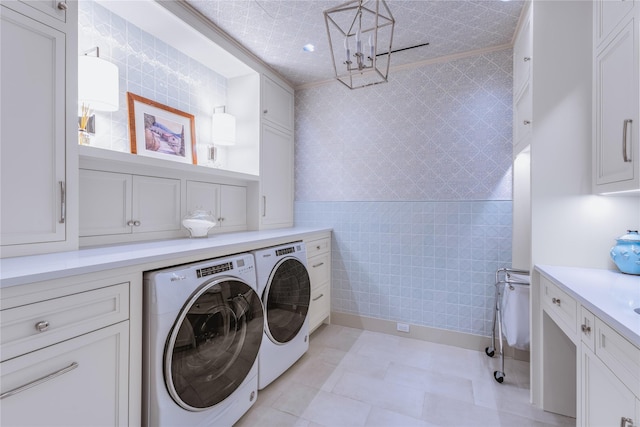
(150, 68)
(414, 176)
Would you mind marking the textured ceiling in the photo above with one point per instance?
(277, 30)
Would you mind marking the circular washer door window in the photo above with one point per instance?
(213, 344)
(286, 300)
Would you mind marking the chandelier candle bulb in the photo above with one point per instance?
(346, 48)
(371, 49)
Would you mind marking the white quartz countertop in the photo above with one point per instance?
(610, 295)
(29, 269)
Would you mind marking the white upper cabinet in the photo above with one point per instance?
(522, 49)
(616, 166)
(608, 14)
(277, 104)
(276, 178)
(114, 203)
(37, 165)
(227, 203)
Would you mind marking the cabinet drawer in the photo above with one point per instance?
(562, 307)
(588, 328)
(79, 382)
(30, 327)
(317, 247)
(319, 269)
(320, 306)
(622, 357)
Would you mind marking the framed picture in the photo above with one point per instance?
(160, 131)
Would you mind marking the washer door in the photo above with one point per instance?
(213, 344)
(286, 300)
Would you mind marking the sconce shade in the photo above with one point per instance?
(224, 129)
(98, 84)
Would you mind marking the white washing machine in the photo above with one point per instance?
(203, 325)
(285, 289)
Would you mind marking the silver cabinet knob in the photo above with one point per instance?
(62, 5)
(42, 326)
(556, 301)
(265, 111)
(130, 223)
(136, 223)
(586, 329)
(526, 122)
(527, 59)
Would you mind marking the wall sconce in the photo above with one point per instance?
(98, 90)
(223, 130)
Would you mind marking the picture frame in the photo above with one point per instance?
(160, 131)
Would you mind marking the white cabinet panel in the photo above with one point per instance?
(94, 391)
(233, 209)
(156, 204)
(606, 401)
(105, 203)
(607, 15)
(522, 49)
(276, 178)
(228, 203)
(277, 104)
(113, 203)
(319, 266)
(33, 103)
(616, 77)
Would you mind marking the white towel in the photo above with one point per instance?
(515, 315)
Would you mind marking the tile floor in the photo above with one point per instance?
(350, 377)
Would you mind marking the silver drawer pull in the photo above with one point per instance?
(318, 297)
(62, 5)
(556, 301)
(42, 326)
(63, 202)
(625, 124)
(39, 381)
(317, 265)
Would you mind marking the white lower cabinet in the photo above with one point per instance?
(115, 203)
(67, 347)
(606, 401)
(319, 266)
(80, 382)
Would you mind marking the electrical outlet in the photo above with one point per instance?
(403, 327)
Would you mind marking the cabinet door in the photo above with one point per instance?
(605, 400)
(277, 104)
(522, 56)
(522, 118)
(607, 15)
(616, 92)
(233, 210)
(105, 203)
(156, 204)
(32, 156)
(203, 196)
(79, 382)
(276, 178)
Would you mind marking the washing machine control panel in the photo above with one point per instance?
(215, 269)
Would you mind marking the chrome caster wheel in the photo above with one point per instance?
(499, 376)
(490, 351)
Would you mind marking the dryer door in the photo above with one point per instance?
(213, 344)
(286, 300)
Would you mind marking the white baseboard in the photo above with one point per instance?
(424, 333)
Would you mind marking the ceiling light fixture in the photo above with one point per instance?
(308, 47)
(350, 23)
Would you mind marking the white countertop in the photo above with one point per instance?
(29, 269)
(608, 294)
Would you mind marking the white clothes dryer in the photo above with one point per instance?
(203, 325)
(285, 289)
